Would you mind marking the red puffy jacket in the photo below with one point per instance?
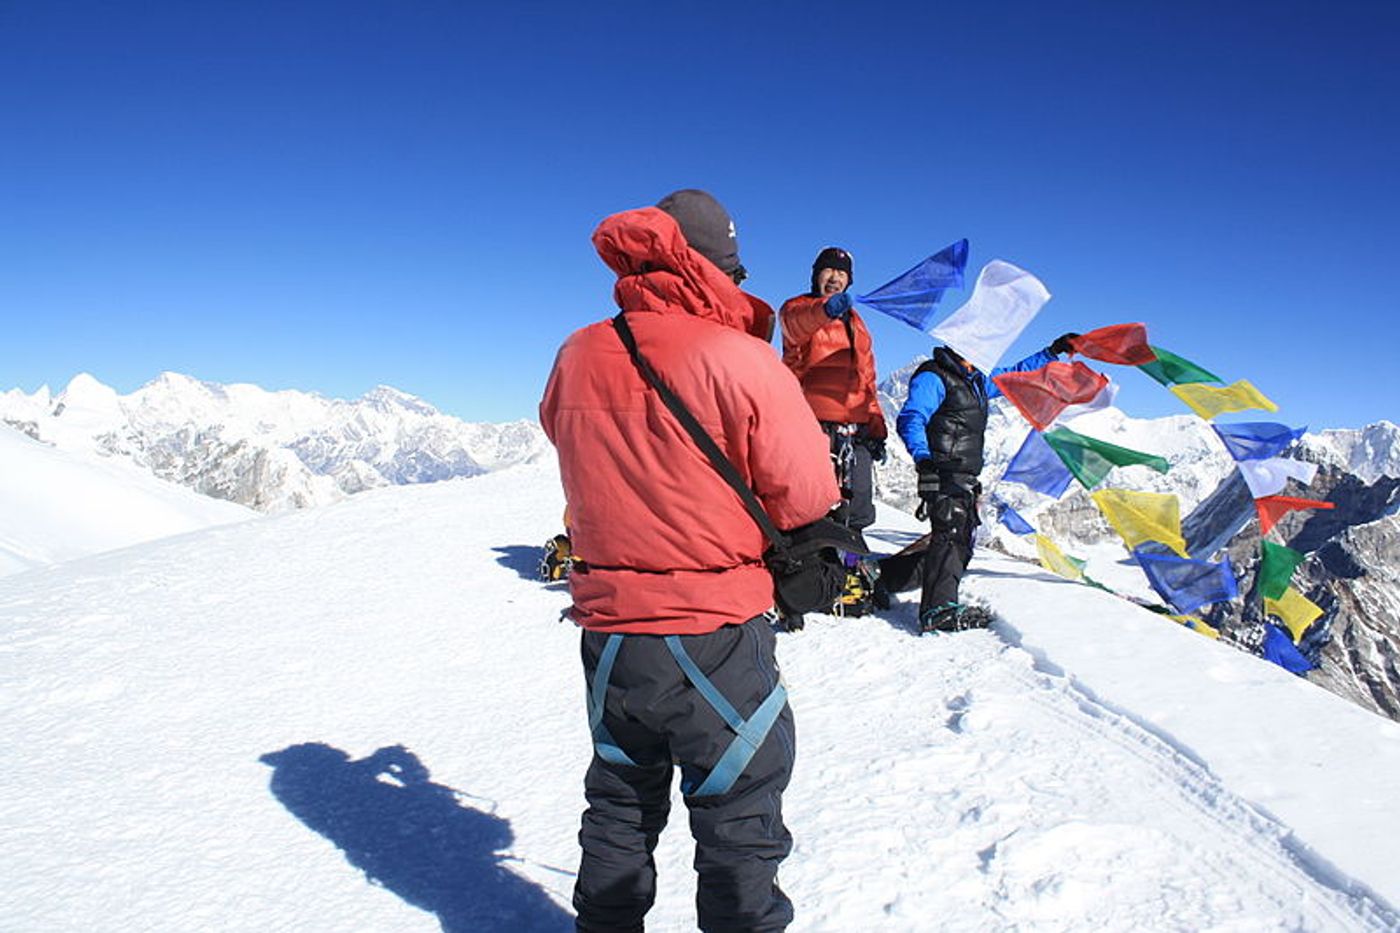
(668, 545)
(834, 362)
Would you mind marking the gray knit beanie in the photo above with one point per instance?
(706, 225)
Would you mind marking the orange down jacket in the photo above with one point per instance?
(835, 364)
(668, 545)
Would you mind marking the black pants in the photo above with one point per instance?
(857, 508)
(660, 720)
(938, 568)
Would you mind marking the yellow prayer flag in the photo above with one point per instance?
(1198, 625)
(1142, 516)
(1295, 609)
(1055, 561)
(1209, 401)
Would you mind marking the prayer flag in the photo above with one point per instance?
(1186, 584)
(1012, 519)
(1099, 402)
(1268, 477)
(1043, 393)
(1197, 625)
(1295, 611)
(1171, 370)
(1118, 343)
(913, 297)
(1257, 440)
(1273, 508)
(1279, 648)
(1209, 401)
(1090, 460)
(1004, 300)
(1139, 517)
(1057, 561)
(1038, 467)
(1276, 569)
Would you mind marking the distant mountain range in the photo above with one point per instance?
(1353, 565)
(272, 451)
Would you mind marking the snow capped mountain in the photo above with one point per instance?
(270, 450)
(1354, 550)
(57, 505)
(368, 717)
(1368, 453)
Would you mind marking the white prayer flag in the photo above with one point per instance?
(1005, 299)
(1099, 402)
(1268, 477)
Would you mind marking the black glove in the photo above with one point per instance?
(1061, 344)
(838, 305)
(876, 446)
(928, 479)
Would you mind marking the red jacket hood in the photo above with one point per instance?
(658, 271)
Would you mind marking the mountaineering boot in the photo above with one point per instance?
(954, 617)
(880, 595)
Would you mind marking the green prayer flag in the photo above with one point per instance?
(1170, 369)
(1090, 460)
(1276, 569)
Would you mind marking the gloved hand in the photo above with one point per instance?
(928, 479)
(876, 446)
(1061, 344)
(838, 305)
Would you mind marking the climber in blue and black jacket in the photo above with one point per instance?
(942, 424)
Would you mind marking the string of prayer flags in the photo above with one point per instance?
(1187, 584)
(1057, 561)
(1257, 440)
(1139, 517)
(1172, 370)
(1042, 394)
(1090, 460)
(1269, 477)
(1295, 610)
(1276, 569)
(1005, 299)
(1279, 648)
(1197, 625)
(1011, 518)
(1125, 344)
(1209, 401)
(1038, 467)
(1273, 508)
(913, 296)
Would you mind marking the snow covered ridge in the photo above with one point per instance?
(272, 451)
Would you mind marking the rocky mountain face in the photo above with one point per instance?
(1353, 551)
(273, 451)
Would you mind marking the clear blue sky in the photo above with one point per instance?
(332, 195)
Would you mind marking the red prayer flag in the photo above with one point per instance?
(1273, 508)
(1043, 393)
(1125, 344)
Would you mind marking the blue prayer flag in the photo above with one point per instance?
(1037, 466)
(913, 296)
(1012, 519)
(1187, 584)
(1257, 440)
(1278, 647)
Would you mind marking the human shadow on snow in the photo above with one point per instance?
(522, 559)
(412, 836)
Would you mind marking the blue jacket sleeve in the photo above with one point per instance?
(925, 395)
(1034, 361)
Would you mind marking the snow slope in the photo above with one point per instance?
(204, 733)
(57, 504)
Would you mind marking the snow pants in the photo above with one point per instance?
(857, 477)
(658, 718)
(939, 568)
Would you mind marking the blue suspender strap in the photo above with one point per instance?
(603, 742)
(749, 734)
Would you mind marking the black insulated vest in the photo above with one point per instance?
(956, 430)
